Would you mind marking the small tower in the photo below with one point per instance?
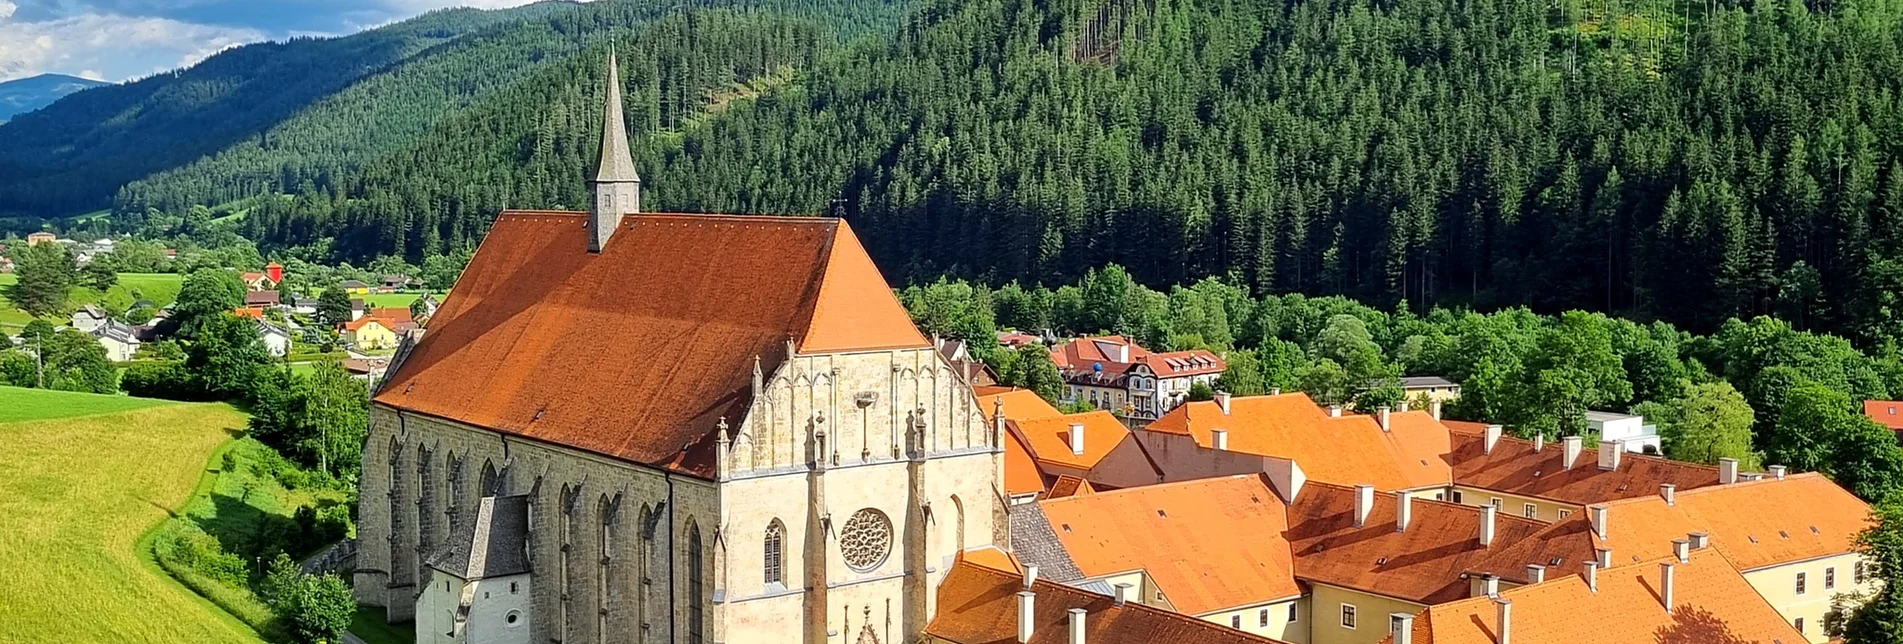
(616, 186)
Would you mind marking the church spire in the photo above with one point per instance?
(617, 187)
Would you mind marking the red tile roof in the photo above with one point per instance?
(1210, 545)
(1712, 604)
(1424, 563)
(1755, 524)
(1069, 486)
(1049, 437)
(638, 351)
(1349, 450)
(979, 605)
(1021, 475)
(1105, 359)
(1888, 413)
(1515, 468)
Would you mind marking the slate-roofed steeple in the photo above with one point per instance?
(617, 187)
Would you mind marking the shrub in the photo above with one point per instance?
(190, 548)
(167, 380)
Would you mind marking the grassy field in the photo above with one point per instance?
(76, 493)
(160, 288)
(33, 404)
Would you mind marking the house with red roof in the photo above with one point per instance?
(1114, 373)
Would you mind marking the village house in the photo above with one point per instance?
(957, 352)
(1434, 388)
(1629, 430)
(35, 239)
(120, 340)
(276, 339)
(1113, 373)
(261, 299)
(90, 318)
(355, 287)
(370, 333)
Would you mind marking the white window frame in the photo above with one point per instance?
(1529, 511)
(1348, 616)
(1498, 504)
(1830, 578)
(1802, 584)
(1262, 618)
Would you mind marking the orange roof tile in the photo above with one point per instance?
(1515, 468)
(1888, 413)
(637, 352)
(1423, 563)
(1755, 524)
(364, 321)
(1712, 604)
(391, 314)
(855, 308)
(1209, 544)
(979, 605)
(991, 557)
(249, 312)
(1019, 404)
(1068, 485)
(1049, 438)
(1349, 450)
(1021, 475)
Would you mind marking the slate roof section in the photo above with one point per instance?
(493, 543)
(1419, 382)
(979, 605)
(1515, 468)
(1033, 542)
(638, 351)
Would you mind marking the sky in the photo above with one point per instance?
(117, 40)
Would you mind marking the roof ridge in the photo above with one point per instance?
(1187, 620)
(1173, 484)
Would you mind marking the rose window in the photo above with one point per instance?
(866, 539)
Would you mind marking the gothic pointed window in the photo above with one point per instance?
(604, 548)
(696, 588)
(775, 553)
(489, 479)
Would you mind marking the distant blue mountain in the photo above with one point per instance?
(28, 94)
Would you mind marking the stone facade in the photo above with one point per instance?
(870, 469)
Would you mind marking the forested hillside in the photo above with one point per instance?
(1688, 162)
(71, 156)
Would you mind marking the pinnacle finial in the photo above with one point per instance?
(617, 163)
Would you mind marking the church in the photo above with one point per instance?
(631, 427)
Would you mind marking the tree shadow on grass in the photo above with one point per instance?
(245, 530)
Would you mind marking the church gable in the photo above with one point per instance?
(638, 351)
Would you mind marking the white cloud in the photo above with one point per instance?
(7, 9)
(112, 47)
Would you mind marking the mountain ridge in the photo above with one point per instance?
(22, 95)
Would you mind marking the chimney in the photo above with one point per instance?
(1665, 585)
(1539, 442)
(1030, 576)
(1077, 439)
(1572, 446)
(1025, 615)
(1433, 409)
(1535, 573)
(1597, 514)
(1506, 621)
(1489, 585)
(1076, 626)
(1382, 417)
(1222, 402)
(1364, 503)
(1699, 540)
(1592, 576)
(1403, 625)
(1666, 491)
(1727, 471)
(616, 185)
(1401, 406)
(1609, 452)
(1123, 593)
(1493, 436)
(1777, 471)
(1275, 391)
(1403, 511)
(1219, 438)
(1682, 549)
(1334, 411)
(1604, 555)
(1486, 524)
